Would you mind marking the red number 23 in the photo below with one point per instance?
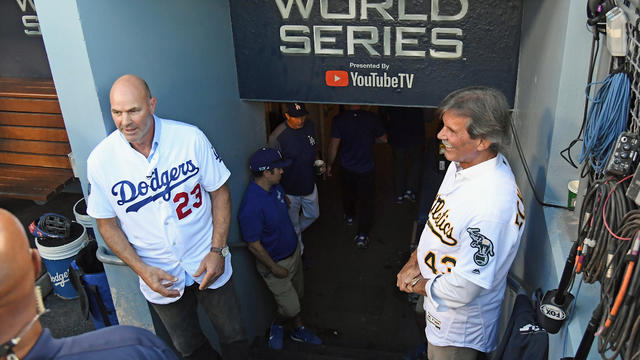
(183, 200)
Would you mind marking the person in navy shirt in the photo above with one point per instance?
(355, 131)
(271, 237)
(22, 335)
(406, 129)
(297, 141)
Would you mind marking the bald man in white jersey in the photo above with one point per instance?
(473, 230)
(159, 194)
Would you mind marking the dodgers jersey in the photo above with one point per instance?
(163, 202)
(473, 230)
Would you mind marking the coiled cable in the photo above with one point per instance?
(606, 119)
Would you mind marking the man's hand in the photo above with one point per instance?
(418, 286)
(334, 144)
(213, 266)
(280, 272)
(407, 275)
(160, 281)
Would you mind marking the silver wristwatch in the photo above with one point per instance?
(224, 251)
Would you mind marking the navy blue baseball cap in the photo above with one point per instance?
(296, 109)
(266, 159)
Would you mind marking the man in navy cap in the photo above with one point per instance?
(297, 141)
(270, 235)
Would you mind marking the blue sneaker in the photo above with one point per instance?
(362, 241)
(304, 335)
(276, 335)
(348, 220)
(409, 195)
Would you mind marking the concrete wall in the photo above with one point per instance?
(552, 76)
(185, 52)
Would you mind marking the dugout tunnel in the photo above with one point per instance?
(199, 66)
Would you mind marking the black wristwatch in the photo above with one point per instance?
(224, 251)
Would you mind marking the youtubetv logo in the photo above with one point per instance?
(383, 80)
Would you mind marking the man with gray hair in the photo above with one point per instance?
(473, 229)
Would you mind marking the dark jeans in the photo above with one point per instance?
(358, 188)
(180, 318)
(407, 176)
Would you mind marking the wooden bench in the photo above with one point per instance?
(34, 147)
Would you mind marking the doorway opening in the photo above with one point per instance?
(350, 294)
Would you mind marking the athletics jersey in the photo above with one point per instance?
(162, 202)
(473, 229)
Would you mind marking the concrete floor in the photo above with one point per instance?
(350, 290)
(350, 294)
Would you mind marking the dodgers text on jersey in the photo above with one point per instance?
(156, 187)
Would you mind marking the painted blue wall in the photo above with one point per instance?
(552, 76)
(185, 52)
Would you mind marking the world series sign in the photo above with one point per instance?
(385, 52)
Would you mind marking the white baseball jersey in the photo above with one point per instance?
(473, 230)
(163, 202)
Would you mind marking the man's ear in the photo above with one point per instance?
(36, 262)
(483, 145)
(152, 105)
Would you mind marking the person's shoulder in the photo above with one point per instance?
(181, 133)
(498, 189)
(250, 202)
(251, 190)
(106, 147)
(123, 331)
(341, 115)
(502, 176)
(175, 125)
(116, 340)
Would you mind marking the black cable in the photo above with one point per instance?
(595, 48)
(526, 169)
(587, 338)
(605, 258)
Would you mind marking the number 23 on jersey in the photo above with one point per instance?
(184, 202)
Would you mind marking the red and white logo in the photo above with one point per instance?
(337, 78)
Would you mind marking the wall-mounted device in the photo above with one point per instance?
(624, 155)
(616, 32)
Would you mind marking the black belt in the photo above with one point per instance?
(290, 255)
